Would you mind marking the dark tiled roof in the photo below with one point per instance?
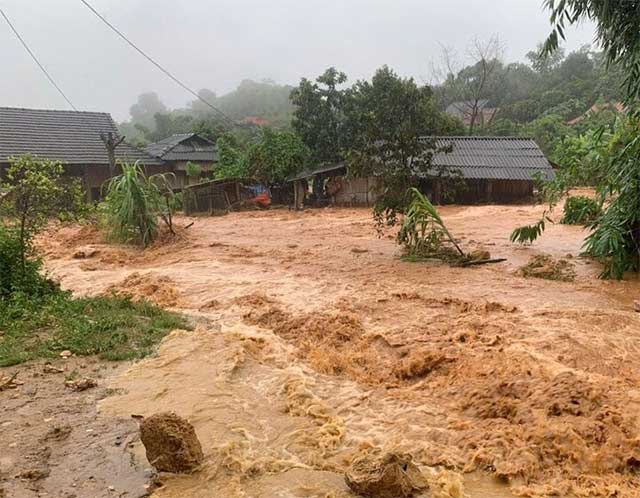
(184, 147)
(495, 158)
(68, 136)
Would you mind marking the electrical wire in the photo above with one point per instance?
(33, 56)
(224, 117)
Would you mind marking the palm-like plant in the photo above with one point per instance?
(134, 202)
(423, 233)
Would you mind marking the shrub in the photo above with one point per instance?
(194, 170)
(16, 277)
(580, 210)
(135, 201)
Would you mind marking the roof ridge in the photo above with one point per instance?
(70, 111)
(478, 137)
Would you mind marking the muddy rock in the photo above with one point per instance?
(389, 475)
(171, 443)
(85, 252)
(81, 384)
(35, 474)
(479, 255)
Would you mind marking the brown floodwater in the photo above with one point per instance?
(317, 344)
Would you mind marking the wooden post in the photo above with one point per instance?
(111, 142)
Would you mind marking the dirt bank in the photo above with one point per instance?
(55, 444)
(321, 351)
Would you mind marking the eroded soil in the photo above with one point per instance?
(53, 442)
(323, 345)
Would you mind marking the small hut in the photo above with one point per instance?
(215, 197)
(330, 185)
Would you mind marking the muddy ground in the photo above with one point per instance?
(321, 345)
(53, 442)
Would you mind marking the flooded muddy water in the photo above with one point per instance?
(318, 344)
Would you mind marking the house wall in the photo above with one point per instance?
(356, 191)
(481, 191)
(179, 168)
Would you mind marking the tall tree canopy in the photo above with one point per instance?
(319, 115)
(618, 32)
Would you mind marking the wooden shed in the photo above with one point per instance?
(216, 197)
(330, 185)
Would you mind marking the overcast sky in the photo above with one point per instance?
(217, 43)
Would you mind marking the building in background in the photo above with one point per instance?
(177, 151)
(480, 170)
(71, 137)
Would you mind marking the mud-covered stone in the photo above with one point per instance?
(390, 475)
(171, 443)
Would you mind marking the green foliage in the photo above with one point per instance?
(423, 234)
(134, 202)
(193, 170)
(271, 157)
(263, 100)
(528, 234)
(112, 328)
(580, 210)
(32, 192)
(233, 160)
(618, 33)
(16, 276)
(318, 117)
(546, 131)
(276, 155)
(615, 236)
(390, 120)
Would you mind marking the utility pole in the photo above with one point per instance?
(111, 142)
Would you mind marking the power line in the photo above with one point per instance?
(226, 118)
(24, 44)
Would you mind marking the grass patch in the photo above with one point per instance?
(111, 327)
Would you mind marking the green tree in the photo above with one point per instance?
(546, 131)
(31, 194)
(545, 62)
(144, 110)
(393, 121)
(277, 155)
(318, 117)
(233, 160)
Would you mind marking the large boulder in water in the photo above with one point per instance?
(389, 475)
(171, 443)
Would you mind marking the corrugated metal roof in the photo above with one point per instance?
(496, 158)
(184, 147)
(325, 168)
(71, 137)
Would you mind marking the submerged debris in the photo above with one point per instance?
(390, 475)
(9, 382)
(544, 266)
(81, 384)
(171, 443)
